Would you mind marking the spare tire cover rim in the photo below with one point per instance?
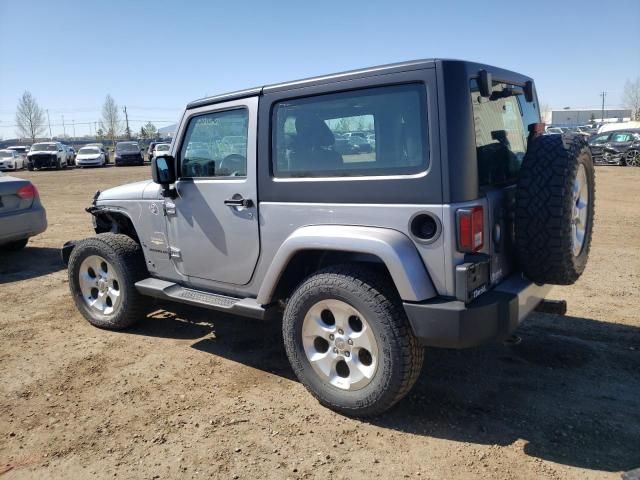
(580, 206)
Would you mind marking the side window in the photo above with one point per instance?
(215, 145)
(368, 132)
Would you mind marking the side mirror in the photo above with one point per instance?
(163, 171)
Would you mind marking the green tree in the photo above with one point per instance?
(151, 131)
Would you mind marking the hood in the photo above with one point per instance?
(88, 156)
(130, 191)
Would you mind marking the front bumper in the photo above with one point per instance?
(43, 161)
(492, 316)
(7, 166)
(23, 224)
(89, 163)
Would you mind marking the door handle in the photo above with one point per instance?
(239, 202)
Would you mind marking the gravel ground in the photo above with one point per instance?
(195, 394)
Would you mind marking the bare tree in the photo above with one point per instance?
(631, 97)
(111, 123)
(29, 117)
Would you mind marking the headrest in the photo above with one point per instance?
(311, 131)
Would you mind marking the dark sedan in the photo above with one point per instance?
(128, 153)
(21, 213)
(620, 147)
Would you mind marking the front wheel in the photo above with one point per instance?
(103, 271)
(633, 158)
(349, 341)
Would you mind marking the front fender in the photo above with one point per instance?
(394, 248)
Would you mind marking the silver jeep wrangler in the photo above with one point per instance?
(375, 212)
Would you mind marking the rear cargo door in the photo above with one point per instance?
(501, 130)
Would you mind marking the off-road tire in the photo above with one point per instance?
(544, 209)
(125, 255)
(400, 355)
(15, 245)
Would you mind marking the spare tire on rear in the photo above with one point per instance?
(554, 209)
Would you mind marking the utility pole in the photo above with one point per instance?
(95, 130)
(126, 116)
(603, 95)
(64, 130)
(49, 121)
(73, 123)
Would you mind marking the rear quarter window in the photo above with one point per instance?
(368, 132)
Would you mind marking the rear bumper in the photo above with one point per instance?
(17, 226)
(492, 316)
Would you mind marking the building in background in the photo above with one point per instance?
(573, 118)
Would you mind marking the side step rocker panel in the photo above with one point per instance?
(247, 307)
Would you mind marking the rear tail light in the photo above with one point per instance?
(470, 229)
(28, 191)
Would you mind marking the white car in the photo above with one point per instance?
(90, 157)
(11, 160)
(161, 149)
(22, 150)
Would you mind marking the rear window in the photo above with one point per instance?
(368, 132)
(501, 129)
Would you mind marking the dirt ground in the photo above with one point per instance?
(195, 394)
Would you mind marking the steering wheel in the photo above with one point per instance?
(234, 163)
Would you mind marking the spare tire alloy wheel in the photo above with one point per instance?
(340, 344)
(580, 209)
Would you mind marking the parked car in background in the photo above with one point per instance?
(47, 155)
(554, 131)
(71, 155)
(102, 149)
(90, 157)
(128, 153)
(161, 149)
(11, 160)
(22, 150)
(616, 148)
(150, 150)
(21, 213)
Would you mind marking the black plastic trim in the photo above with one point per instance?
(452, 324)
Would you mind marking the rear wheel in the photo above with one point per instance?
(349, 341)
(103, 271)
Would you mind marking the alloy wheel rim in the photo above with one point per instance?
(100, 285)
(633, 158)
(340, 344)
(580, 206)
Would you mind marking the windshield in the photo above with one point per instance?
(127, 147)
(162, 148)
(5, 154)
(89, 151)
(501, 127)
(18, 149)
(44, 147)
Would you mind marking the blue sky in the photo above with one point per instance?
(155, 56)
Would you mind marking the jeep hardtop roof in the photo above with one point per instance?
(471, 67)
